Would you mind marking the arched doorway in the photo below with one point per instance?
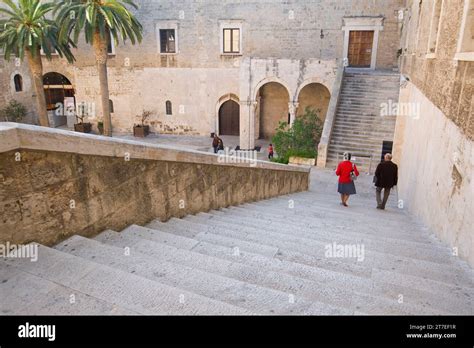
(229, 118)
(273, 99)
(314, 96)
(59, 94)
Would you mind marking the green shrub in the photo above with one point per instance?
(13, 112)
(301, 139)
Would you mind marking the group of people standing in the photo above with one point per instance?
(386, 177)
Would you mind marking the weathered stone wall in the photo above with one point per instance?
(49, 196)
(436, 170)
(447, 82)
(8, 92)
(54, 183)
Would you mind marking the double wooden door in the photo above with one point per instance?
(360, 48)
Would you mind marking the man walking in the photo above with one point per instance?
(386, 176)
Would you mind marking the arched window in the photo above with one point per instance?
(111, 105)
(18, 83)
(169, 110)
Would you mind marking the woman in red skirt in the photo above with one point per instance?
(346, 185)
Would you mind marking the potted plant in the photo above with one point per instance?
(13, 112)
(100, 127)
(81, 126)
(142, 130)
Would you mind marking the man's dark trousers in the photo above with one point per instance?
(386, 192)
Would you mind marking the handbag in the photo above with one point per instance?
(353, 176)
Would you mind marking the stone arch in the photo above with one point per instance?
(314, 95)
(308, 82)
(268, 80)
(57, 88)
(230, 97)
(273, 100)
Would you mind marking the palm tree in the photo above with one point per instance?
(24, 32)
(101, 20)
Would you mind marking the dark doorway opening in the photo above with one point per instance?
(229, 118)
(386, 148)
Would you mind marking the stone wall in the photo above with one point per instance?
(436, 167)
(434, 148)
(448, 82)
(47, 196)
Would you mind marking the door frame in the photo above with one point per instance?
(374, 24)
(222, 100)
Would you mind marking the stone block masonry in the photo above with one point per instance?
(47, 196)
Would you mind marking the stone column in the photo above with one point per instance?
(247, 124)
(292, 108)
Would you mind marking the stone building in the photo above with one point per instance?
(231, 67)
(434, 146)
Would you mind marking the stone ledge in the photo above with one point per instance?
(22, 136)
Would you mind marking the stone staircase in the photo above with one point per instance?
(359, 127)
(267, 257)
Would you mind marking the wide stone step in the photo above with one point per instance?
(295, 279)
(362, 216)
(369, 144)
(374, 252)
(365, 117)
(428, 288)
(363, 98)
(312, 228)
(111, 285)
(23, 293)
(354, 146)
(194, 231)
(360, 133)
(186, 241)
(349, 122)
(255, 298)
(308, 246)
(330, 234)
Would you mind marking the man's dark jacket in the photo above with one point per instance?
(386, 174)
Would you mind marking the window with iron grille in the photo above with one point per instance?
(231, 37)
(167, 41)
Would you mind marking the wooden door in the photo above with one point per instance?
(229, 118)
(360, 48)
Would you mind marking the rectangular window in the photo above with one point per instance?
(167, 41)
(231, 40)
